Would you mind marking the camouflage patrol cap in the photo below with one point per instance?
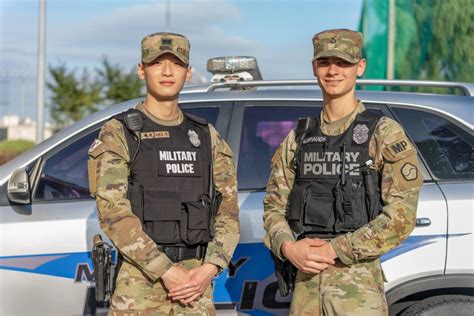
(157, 44)
(342, 43)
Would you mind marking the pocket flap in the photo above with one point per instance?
(198, 215)
(161, 205)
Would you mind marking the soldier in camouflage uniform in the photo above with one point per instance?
(152, 279)
(339, 270)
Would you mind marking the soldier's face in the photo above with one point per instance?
(165, 76)
(337, 77)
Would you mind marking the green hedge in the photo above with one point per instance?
(12, 148)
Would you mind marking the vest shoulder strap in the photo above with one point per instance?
(130, 131)
(196, 119)
(369, 117)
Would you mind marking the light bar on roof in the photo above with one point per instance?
(231, 64)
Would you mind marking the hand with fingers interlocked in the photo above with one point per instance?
(199, 279)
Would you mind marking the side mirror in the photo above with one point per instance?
(19, 187)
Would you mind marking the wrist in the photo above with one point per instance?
(285, 248)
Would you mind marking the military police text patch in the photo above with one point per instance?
(399, 147)
(179, 163)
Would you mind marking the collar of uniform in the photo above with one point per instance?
(341, 125)
(141, 107)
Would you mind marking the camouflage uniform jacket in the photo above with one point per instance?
(401, 183)
(108, 174)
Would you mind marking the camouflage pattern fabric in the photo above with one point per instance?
(108, 179)
(342, 43)
(136, 296)
(157, 44)
(395, 157)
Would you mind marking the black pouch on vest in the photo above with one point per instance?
(372, 193)
(135, 196)
(161, 215)
(351, 207)
(319, 212)
(196, 218)
(296, 202)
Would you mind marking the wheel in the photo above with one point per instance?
(454, 305)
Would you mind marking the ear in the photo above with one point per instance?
(189, 74)
(140, 71)
(361, 67)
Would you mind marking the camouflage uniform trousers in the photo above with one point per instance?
(136, 296)
(341, 290)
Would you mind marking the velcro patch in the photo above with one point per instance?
(398, 149)
(407, 174)
(94, 145)
(156, 134)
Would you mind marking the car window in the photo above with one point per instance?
(64, 175)
(264, 128)
(446, 148)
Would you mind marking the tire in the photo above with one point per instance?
(452, 305)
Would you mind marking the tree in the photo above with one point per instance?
(433, 40)
(117, 84)
(72, 98)
(75, 97)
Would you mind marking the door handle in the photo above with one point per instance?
(423, 221)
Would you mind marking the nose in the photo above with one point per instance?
(333, 69)
(167, 69)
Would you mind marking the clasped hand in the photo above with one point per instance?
(186, 286)
(309, 255)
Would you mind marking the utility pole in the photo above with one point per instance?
(41, 72)
(391, 39)
(167, 15)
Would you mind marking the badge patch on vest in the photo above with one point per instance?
(360, 134)
(194, 138)
(409, 172)
(178, 163)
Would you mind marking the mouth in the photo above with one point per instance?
(333, 83)
(167, 83)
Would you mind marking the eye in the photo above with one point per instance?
(323, 62)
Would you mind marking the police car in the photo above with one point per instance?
(48, 218)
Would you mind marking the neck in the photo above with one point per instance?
(166, 110)
(336, 108)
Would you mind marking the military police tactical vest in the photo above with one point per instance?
(335, 191)
(169, 180)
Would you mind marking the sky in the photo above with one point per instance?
(79, 33)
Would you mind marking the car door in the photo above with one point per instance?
(45, 255)
(446, 146)
(257, 129)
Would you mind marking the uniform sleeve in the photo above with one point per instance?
(400, 187)
(226, 223)
(108, 170)
(279, 185)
